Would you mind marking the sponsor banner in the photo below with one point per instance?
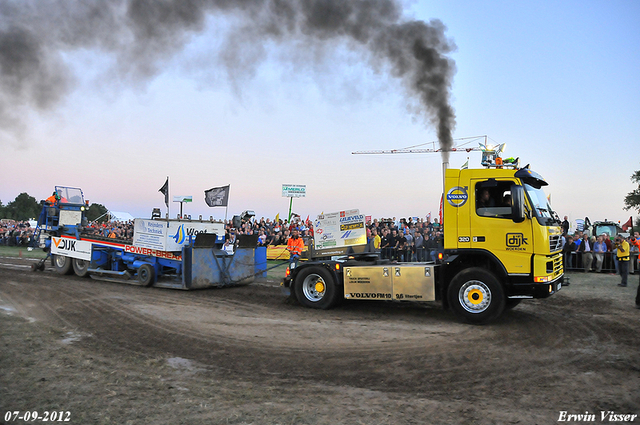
(155, 234)
(183, 199)
(152, 252)
(150, 234)
(81, 249)
(279, 252)
(71, 248)
(351, 226)
(340, 229)
(294, 191)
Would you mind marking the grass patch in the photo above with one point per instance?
(277, 272)
(21, 251)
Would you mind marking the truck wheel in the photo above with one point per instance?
(80, 267)
(315, 288)
(146, 275)
(476, 296)
(62, 264)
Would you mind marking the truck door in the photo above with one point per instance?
(493, 229)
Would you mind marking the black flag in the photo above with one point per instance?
(165, 191)
(217, 196)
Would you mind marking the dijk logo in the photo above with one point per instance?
(516, 240)
(65, 244)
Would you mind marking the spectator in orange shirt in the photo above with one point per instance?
(295, 244)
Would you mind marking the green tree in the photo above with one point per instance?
(632, 200)
(2, 210)
(23, 207)
(97, 212)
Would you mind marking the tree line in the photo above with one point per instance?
(25, 207)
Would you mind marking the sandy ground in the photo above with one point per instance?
(111, 353)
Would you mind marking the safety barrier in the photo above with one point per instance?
(279, 252)
(574, 261)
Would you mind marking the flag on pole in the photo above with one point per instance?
(277, 218)
(165, 191)
(628, 224)
(465, 165)
(217, 196)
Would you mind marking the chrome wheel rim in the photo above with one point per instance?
(475, 296)
(314, 287)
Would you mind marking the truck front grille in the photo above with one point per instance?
(555, 243)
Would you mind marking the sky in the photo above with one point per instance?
(558, 82)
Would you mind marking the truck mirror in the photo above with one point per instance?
(517, 203)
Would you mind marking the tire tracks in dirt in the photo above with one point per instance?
(397, 347)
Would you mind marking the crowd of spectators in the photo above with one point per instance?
(596, 253)
(16, 233)
(121, 230)
(403, 240)
(22, 233)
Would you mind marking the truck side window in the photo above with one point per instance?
(493, 199)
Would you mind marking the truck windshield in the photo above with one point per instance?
(70, 195)
(541, 207)
(609, 229)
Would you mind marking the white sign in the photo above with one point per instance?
(155, 234)
(183, 199)
(344, 228)
(73, 248)
(294, 191)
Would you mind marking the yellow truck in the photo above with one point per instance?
(502, 244)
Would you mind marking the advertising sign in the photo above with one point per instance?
(71, 248)
(156, 234)
(183, 199)
(294, 191)
(340, 229)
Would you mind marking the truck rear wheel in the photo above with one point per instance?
(80, 267)
(62, 264)
(315, 288)
(476, 296)
(146, 275)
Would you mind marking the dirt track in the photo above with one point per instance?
(114, 353)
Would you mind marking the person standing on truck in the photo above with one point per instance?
(623, 259)
(294, 246)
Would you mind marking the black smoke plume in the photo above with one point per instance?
(142, 35)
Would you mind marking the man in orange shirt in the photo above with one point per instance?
(295, 244)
